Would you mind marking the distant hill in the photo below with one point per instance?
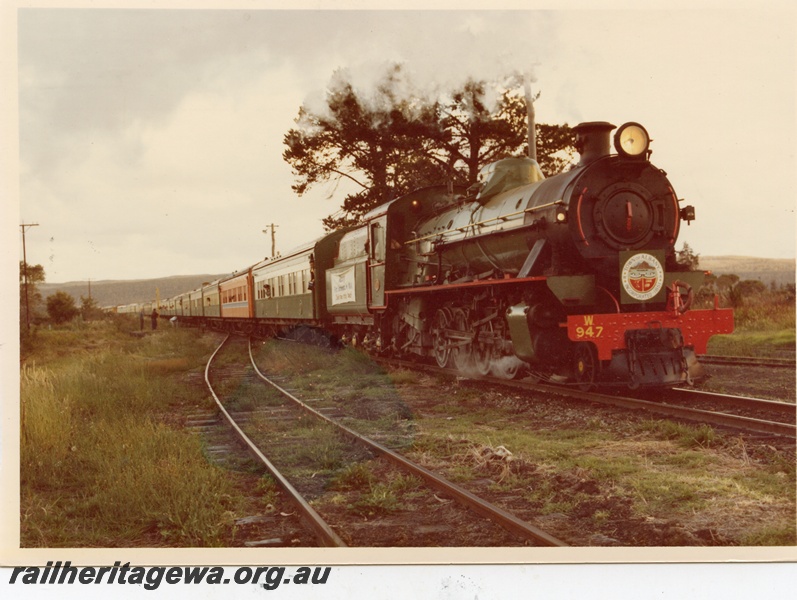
(779, 270)
(117, 293)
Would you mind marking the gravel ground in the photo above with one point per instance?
(776, 383)
(592, 476)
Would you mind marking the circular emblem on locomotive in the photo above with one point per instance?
(643, 276)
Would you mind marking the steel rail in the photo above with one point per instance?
(507, 520)
(671, 410)
(784, 408)
(324, 533)
(696, 414)
(752, 361)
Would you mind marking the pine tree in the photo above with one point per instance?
(393, 141)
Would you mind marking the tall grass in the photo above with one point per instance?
(764, 325)
(99, 466)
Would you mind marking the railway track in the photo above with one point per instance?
(756, 407)
(748, 361)
(324, 532)
(784, 426)
(671, 403)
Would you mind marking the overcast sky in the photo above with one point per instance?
(150, 141)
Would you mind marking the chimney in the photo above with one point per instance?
(592, 141)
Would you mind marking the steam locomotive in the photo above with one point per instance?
(572, 278)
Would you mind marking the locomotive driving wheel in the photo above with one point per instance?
(441, 347)
(586, 366)
(461, 352)
(483, 351)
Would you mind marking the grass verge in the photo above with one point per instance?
(100, 466)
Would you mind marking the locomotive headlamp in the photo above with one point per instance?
(561, 214)
(632, 140)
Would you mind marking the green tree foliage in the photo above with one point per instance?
(371, 142)
(89, 309)
(61, 307)
(396, 141)
(736, 292)
(555, 148)
(688, 257)
(721, 286)
(35, 275)
(478, 135)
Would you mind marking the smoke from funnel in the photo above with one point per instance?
(478, 47)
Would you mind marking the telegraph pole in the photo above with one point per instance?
(273, 239)
(25, 271)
